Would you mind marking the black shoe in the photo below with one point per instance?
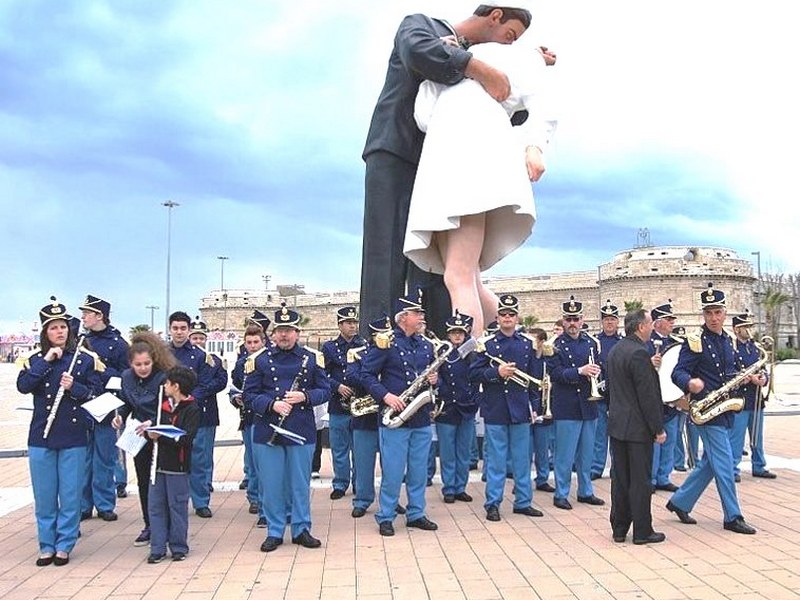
(253, 508)
(652, 489)
(358, 512)
(765, 475)
(483, 478)
(400, 510)
(144, 538)
(60, 561)
(681, 468)
(562, 503)
(449, 498)
(336, 494)
(545, 487)
(204, 512)
(684, 516)
(492, 514)
(306, 540)
(739, 526)
(509, 476)
(243, 484)
(595, 476)
(473, 466)
(210, 488)
(386, 529)
(121, 491)
(667, 487)
(619, 538)
(423, 523)
(43, 561)
(85, 516)
(154, 559)
(528, 511)
(178, 556)
(429, 483)
(463, 497)
(107, 515)
(745, 453)
(653, 538)
(271, 543)
(737, 478)
(261, 523)
(593, 500)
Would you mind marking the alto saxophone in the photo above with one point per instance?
(720, 400)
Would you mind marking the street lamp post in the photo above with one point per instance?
(222, 260)
(170, 205)
(152, 310)
(757, 254)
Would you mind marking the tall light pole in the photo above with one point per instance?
(170, 205)
(152, 310)
(222, 260)
(757, 254)
(266, 279)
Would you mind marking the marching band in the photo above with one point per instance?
(543, 401)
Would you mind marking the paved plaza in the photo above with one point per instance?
(565, 554)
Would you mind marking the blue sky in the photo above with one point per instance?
(679, 117)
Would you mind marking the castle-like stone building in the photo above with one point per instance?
(650, 274)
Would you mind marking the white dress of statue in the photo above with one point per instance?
(473, 160)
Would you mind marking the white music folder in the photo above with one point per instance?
(101, 406)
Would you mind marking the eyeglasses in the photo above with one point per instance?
(572, 319)
(507, 313)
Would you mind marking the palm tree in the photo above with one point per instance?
(137, 328)
(772, 301)
(633, 305)
(529, 321)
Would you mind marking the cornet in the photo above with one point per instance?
(594, 392)
(519, 377)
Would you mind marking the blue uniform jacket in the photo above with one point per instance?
(42, 379)
(194, 358)
(275, 371)
(570, 392)
(112, 349)
(335, 353)
(140, 395)
(607, 342)
(459, 394)
(367, 422)
(504, 402)
(238, 379)
(394, 369)
(748, 355)
(715, 364)
(219, 381)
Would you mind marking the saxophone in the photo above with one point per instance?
(720, 400)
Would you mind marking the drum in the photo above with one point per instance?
(670, 393)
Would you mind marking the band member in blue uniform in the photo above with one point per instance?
(506, 407)
(707, 361)
(99, 489)
(686, 429)
(542, 427)
(60, 382)
(575, 416)
(455, 425)
(202, 464)
(204, 366)
(284, 386)
(387, 373)
(254, 343)
(365, 427)
(751, 418)
(660, 341)
(607, 338)
(341, 433)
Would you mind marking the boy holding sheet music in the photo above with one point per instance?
(168, 501)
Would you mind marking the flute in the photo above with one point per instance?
(51, 416)
(295, 386)
(154, 463)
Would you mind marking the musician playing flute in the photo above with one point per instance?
(386, 373)
(706, 362)
(284, 383)
(61, 377)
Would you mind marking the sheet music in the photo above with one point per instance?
(289, 435)
(129, 440)
(169, 431)
(101, 406)
(114, 383)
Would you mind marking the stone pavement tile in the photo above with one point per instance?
(782, 577)
(703, 592)
(508, 578)
(659, 589)
(338, 577)
(479, 590)
(518, 593)
(590, 591)
(434, 566)
(775, 591)
(409, 591)
(574, 575)
(616, 582)
(233, 590)
(549, 586)
(369, 583)
(167, 591)
(437, 583)
(725, 584)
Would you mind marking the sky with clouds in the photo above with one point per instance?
(677, 117)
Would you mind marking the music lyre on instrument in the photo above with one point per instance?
(154, 462)
(51, 416)
(295, 387)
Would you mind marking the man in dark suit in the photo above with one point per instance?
(635, 420)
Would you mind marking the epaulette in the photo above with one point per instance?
(695, 341)
(677, 338)
(734, 340)
(320, 357)
(210, 359)
(24, 362)
(354, 354)
(223, 361)
(250, 361)
(99, 365)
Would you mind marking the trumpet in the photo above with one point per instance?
(546, 385)
(519, 377)
(594, 392)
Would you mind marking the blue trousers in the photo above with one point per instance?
(101, 457)
(250, 472)
(454, 455)
(289, 487)
(716, 464)
(574, 445)
(664, 454)
(504, 442)
(600, 439)
(57, 478)
(432, 454)
(168, 505)
(743, 423)
(680, 447)
(365, 450)
(404, 453)
(341, 440)
(541, 442)
(202, 469)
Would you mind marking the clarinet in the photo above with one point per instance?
(154, 462)
(51, 416)
(295, 387)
